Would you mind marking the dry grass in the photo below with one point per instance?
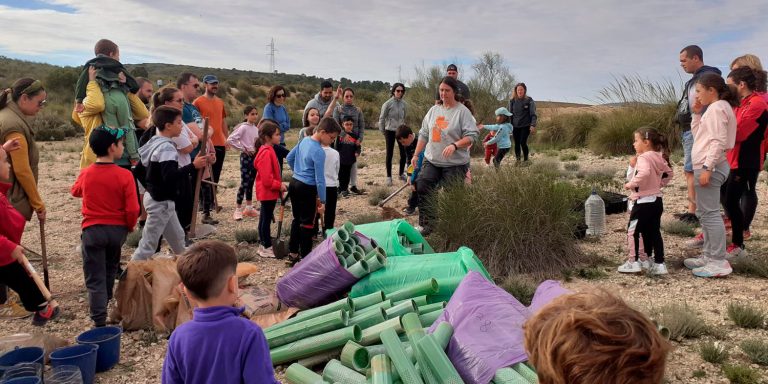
(746, 316)
(713, 352)
(681, 320)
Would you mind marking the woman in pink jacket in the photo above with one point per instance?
(651, 172)
(714, 133)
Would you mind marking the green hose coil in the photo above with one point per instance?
(355, 356)
(336, 372)
(311, 327)
(381, 370)
(404, 307)
(437, 361)
(366, 301)
(426, 287)
(314, 345)
(299, 374)
(509, 376)
(407, 372)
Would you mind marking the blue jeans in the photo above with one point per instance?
(687, 137)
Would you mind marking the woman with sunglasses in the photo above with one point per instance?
(275, 111)
(392, 116)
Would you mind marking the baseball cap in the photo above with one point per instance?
(210, 79)
(503, 111)
(452, 67)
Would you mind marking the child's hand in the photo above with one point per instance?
(211, 158)
(704, 178)
(633, 161)
(321, 208)
(12, 145)
(283, 188)
(627, 186)
(91, 73)
(480, 126)
(121, 78)
(697, 106)
(339, 92)
(200, 161)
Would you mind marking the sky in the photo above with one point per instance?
(564, 50)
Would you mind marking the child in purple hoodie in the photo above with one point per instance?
(652, 172)
(218, 345)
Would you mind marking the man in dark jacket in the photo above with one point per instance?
(692, 61)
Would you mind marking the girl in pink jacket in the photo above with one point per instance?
(651, 173)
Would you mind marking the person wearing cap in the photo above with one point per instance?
(212, 107)
(503, 129)
(463, 90)
(524, 119)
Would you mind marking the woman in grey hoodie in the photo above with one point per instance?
(392, 116)
(348, 108)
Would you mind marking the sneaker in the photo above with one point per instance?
(715, 268)
(733, 251)
(250, 212)
(659, 269)
(344, 193)
(12, 310)
(207, 219)
(409, 210)
(630, 267)
(404, 177)
(266, 252)
(389, 182)
(645, 264)
(696, 242)
(747, 235)
(42, 317)
(238, 215)
(696, 262)
(355, 190)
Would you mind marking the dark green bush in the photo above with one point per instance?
(53, 127)
(756, 350)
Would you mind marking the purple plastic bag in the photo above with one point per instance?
(316, 280)
(488, 326)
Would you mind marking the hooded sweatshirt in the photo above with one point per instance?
(356, 114)
(392, 114)
(164, 176)
(317, 103)
(751, 121)
(714, 132)
(11, 227)
(651, 173)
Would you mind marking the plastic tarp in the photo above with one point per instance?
(387, 235)
(447, 268)
(488, 326)
(316, 280)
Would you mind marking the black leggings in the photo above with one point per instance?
(500, 156)
(520, 135)
(16, 277)
(304, 207)
(265, 221)
(432, 177)
(734, 195)
(389, 136)
(648, 216)
(247, 177)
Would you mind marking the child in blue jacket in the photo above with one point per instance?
(504, 131)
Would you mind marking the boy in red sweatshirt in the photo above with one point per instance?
(12, 273)
(110, 209)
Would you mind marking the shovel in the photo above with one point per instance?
(278, 246)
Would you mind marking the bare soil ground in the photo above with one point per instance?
(143, 351)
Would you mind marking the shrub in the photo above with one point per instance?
(492, 204)
(377, 195)
(572, 167)
(569, 157)
(568, 130)
(521, 288)
(745, 315)
(754, 265)
(601, 178)
(365, 218)
(756, 350)
(133, 238)
(613, 135)
(549, 168)
(713, 352)
(242, 97)
(246, 254)
(739, 374)
(250, 236)
(678, 228)
(681, 321)
(52, 127)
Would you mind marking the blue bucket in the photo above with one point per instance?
(82, 355)
(108, 340)
(21, 355)
(23, 380)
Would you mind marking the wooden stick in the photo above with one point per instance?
(31, 271)
(44, 255)
(196, 198)
(210, 182)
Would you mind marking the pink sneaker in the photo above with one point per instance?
(696, 242)
(250, 212)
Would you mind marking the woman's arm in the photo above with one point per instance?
(23, 172)
(532, 112)
(383, 114)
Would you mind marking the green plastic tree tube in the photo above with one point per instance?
(355, 356)
(437, 361)
(406, 370)
(376, 262)
(368, 319)
(299, 374)
(443, 333)
(404, 307)
(342, 235)
(314, 345)
(366, 301)
(350, 259)
(526, 372)
(381, 370)
(431, 307)
(338, 246)
(359, 269)
(354, 239)
(349, 227)
(428, 318)
(386, 304)
(509, 376)
(342, 261)
(345, 304)
(320, 358)
(336, 372)
(419, 301)
(372, 335)
(415, 332)
(426, 287)
(311, 327)
(347, 250)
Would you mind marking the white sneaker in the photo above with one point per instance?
(696, 262)
(645, 264)
(659, 269)
(630, 267)
(238, 215)
(715, 268)
(389, 181)
(266, 252)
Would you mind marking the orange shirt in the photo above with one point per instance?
(213, 109)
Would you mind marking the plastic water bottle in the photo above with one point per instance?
(594, 214)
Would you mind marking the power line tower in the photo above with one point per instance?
(271, 55)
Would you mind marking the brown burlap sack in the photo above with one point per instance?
(133, 298)
(165, 281)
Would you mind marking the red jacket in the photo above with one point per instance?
(109, 196)
(268, 179)
(751, 120)
(11, 227)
